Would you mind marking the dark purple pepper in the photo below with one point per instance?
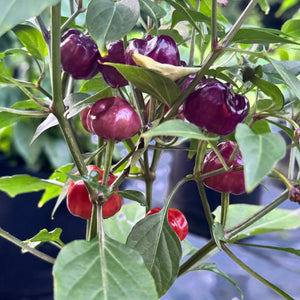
(162, 49)
(115, 55)
(114, 119)
(215, 107)
(79, 55)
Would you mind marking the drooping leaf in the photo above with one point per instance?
(288, 77)
(47, 236)
(54, 190)
(133, 195)
(108, 20)
(260, 153)
(212, 267)
(20, 184)
(119, 226)
(160, 248)
(277, 220)
(153, 83)
(153, 10)
(178, 128)
(14, 12)
(33, 40)
(49, 122)
(120, 274)
(270, 90)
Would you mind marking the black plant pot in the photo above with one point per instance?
(187, 198)
(24, 276)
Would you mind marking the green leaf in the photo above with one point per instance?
(33, 40)
(119, 226)
(7, 119)
(108, 20)
(288, 77)
(292, 27)
(218, 234)
(151, 82)
(178, 128)
(270, 90)
(20, 184)
(212, 267)
(78, 101)
(264, 5)
(45, 236)
(160, 248)
(261, 36)
(54, 190)
(206, 9)
(153, 10)
(289, 250)
(14, 12)
(285, 5)
(277, 220)
(134, 195)
(94, 85)
(121, 274)
(260, 153)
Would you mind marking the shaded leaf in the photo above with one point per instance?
(108, 20)
(151, 82)
(160, 248)
(153, 10)
(260, 153)
(119, 226)
(14, 12)
(288, 77)
(133, 195)
(212, 267)
(120, 274)
(270, 90)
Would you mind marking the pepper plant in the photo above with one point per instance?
(151, 76)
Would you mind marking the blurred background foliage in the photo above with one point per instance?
(49, 150)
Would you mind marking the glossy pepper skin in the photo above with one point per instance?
(79, 55)
(78, 200)
(215, 107)
(227, 182)
(161, 48)
(83, 118)
(115, 55)
(113, 119)
(176, 220)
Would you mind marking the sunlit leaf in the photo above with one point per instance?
(120, 274)
(260, 153)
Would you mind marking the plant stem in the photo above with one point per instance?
(225, 199)
(25, 246)
(236, 26)
(259, 214)
(205, 204)
(206, 251)
(214, 33)
(254, 274)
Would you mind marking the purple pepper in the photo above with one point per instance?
(162, 49)
(215, 107)
(79, 55)
(115, 55)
